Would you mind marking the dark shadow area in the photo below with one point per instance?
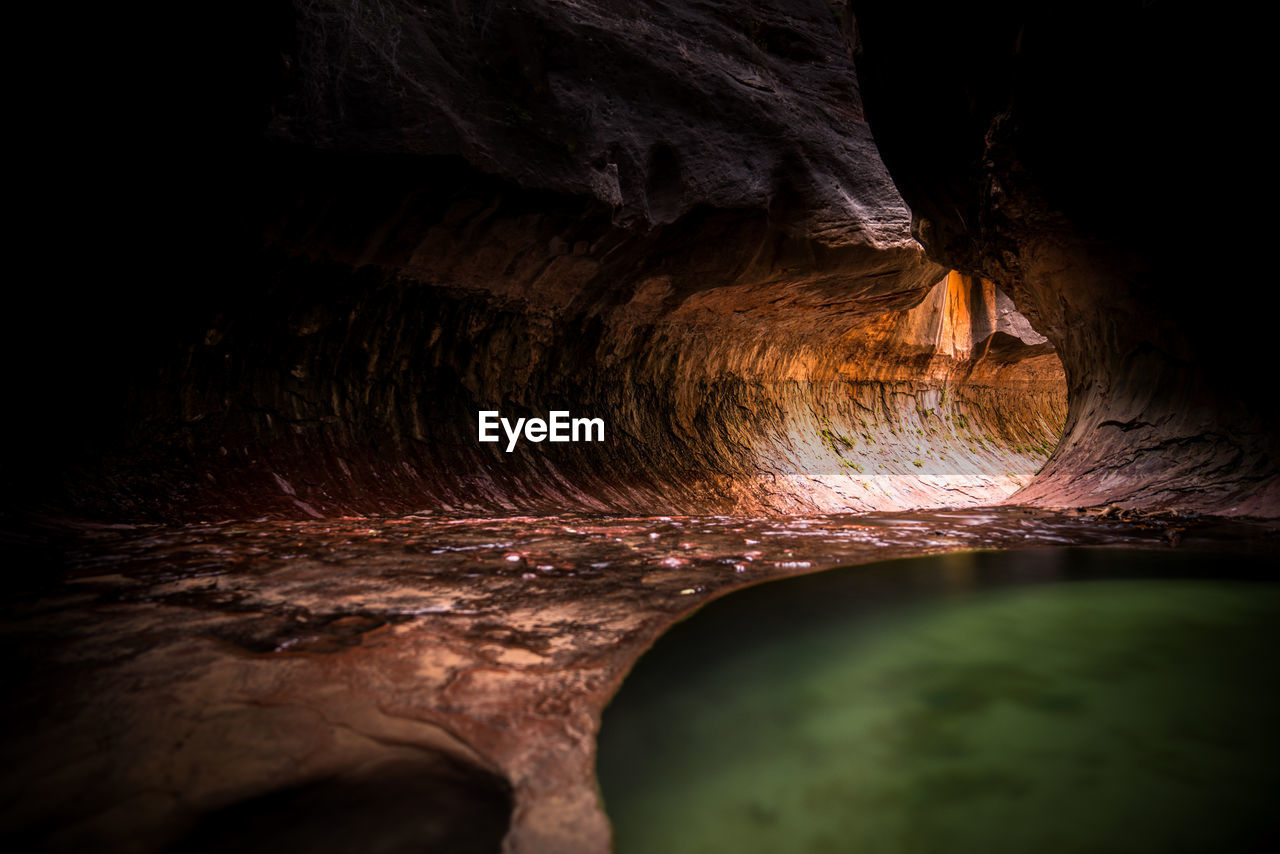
(441, 806)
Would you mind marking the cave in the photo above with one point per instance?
(874, 306)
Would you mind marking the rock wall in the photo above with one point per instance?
(334, 228)
(1087, 158)
(737, 369)
(670, 216)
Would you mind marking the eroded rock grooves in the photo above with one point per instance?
(728, 381)
(669, 216)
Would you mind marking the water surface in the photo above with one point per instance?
(1068, 700)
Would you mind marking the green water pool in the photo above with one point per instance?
(1074, 700)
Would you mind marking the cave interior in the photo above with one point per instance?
(846, 282)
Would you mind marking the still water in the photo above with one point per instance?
(1067, 700)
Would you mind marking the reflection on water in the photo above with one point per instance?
(1077, 700)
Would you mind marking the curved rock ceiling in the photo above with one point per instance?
(386, 217)
(670, 216)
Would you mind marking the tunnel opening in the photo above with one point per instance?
(954, 402)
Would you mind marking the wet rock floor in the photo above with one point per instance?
(170, 686)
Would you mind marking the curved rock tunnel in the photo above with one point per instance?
(735, 371)
(381, 218)
(729, 284)
(414, 214)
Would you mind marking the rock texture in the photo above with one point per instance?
(670, 216)
(320, 235)
(652, 108)
(737, 369)
(1087, 158)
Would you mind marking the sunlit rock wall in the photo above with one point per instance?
(737, 368)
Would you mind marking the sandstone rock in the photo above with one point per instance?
(651, 108)
(1051, 148)
(718, 266)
